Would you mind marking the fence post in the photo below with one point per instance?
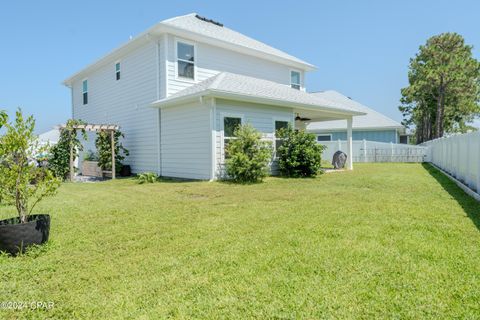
(364, 150)
(391, 151)
(477, 142)
(339, 144)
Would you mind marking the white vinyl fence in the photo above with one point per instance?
(372, 151)
(458, 155)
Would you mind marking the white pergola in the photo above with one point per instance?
(110, 128)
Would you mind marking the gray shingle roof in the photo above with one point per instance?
(372, 119)
(240, 85)
(192, 24)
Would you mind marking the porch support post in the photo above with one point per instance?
(349, 144)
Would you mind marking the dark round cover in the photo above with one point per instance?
(339, 160)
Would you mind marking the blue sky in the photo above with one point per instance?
(361, 48)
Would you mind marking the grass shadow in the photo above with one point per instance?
(469, 205)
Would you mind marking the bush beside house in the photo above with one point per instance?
(299, 154)
(248, 156)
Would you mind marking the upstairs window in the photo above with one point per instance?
(117, 71)
(85, 91)
(278, 126)
(295, 80)
(185, 60)
(230, 124)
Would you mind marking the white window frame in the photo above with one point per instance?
(299, 78)
(195, 60)
(284, 119)
(222, 129)
(119, 62)
(324, 135)
(83, 92)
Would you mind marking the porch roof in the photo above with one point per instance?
(243, 88)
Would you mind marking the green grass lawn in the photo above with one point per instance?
(384, 241)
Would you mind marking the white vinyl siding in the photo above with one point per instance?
(126, 103)
(186, 142)
(261, 117)
(210, 60)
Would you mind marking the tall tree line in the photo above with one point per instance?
(443, 95)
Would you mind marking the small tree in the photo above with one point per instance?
(22, 183)
(248, 155)
(103, 142)
(68, 145)
(299, 155)
(3, 118)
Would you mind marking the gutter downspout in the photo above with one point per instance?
(159, 112)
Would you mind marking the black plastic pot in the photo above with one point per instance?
(15, 237)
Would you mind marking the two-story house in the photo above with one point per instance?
(179, 89)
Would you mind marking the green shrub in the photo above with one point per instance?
(3, 118)
(299, 155)
(23, 183)
(59, 160)
(147, 177)
(103, 142)
(248, 156)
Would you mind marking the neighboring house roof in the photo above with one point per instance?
(243, 88)
(190, 25)
(51, 137)
(372, 120)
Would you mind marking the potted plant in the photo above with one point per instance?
(23, 184)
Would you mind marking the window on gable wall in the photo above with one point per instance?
(295, 80)
(85, 91)
(117, 71)
(185, 60)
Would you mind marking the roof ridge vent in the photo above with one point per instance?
(209, 20)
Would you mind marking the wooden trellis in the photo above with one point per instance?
(111, 128)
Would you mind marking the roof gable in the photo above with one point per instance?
(194, 24)
(207, 32)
